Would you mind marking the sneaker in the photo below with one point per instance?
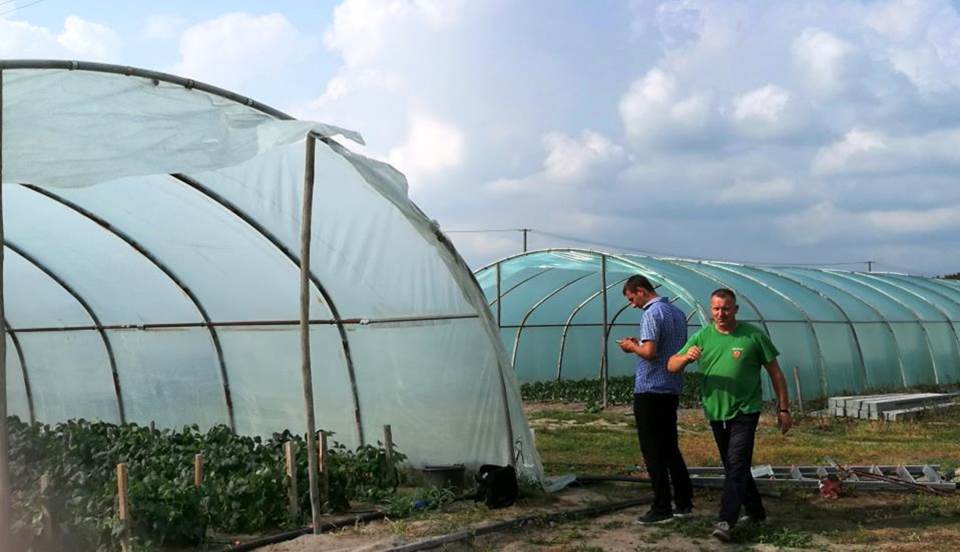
(683, 512)
(721, 531)
(653, 517)
(750, 518)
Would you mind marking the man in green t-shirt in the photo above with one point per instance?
(730, 355)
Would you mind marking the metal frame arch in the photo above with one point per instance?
(936, 307)
(129, 71)
(197, 186)
(518, 284)
(108, 346)
(516, 341)
(214, 337)
(629, 260)
(566, 326)
(821, 360)
(853, 330)
(919, 319)
(23, 370)
(744, 296)
(883, 320)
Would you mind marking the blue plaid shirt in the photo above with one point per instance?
(666, 325)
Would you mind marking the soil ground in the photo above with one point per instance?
(573, 441)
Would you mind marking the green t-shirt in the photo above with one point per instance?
(730, 364)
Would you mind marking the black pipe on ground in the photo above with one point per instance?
(590, 511)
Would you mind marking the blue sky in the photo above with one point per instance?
(783, 132)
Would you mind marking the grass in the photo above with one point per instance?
(606, 442)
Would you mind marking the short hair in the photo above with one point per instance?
(724, 293)
(636, 282)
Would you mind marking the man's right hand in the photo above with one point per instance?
(693, 353)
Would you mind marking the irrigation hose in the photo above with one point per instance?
(558, 517)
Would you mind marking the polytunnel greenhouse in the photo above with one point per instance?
(152, 273)
(843, 332)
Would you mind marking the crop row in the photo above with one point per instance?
(590, 391)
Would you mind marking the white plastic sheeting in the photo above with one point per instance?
(159, 277)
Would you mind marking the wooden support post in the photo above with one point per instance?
(153, 426)
(322, 459)
(796, 380)
(388, 442)
(604, 370)
(293, 506)
(197, 470)
(306, 225)
(122, 506)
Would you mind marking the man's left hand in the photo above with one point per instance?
(784, 422)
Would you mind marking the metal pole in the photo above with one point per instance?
(305, 228)
(499, 298)
(6, 496)
(606, 328)
(524, 230)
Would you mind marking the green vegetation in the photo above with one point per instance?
(244, 484)
(590, 391)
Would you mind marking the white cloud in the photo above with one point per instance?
(238, 46)
(764, 104)
(164, 26)
(855, 145)
(822, 58)
(570, 162)
(79, 39)
(89, 40)
(825, 221)
(361, 28)
(431, 146)
(757, 192)
(653, 110)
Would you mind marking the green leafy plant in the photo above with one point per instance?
(590, 391)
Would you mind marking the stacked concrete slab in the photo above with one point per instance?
(890, 407)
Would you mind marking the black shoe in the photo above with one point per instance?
(683, 512)
(653, 517)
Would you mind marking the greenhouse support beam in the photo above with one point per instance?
(916, 315)
(328, 299)
(516, 341)
(569, 324)
(306, 228)
(6, 494)
(499, 303)
(111, 358)
(214, 336)
(946, 317)
(23, 370)
(846, 317)
(881, 318)
(606, 330)
(520, 283)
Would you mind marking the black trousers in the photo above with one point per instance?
(735, 439)
(656, 418)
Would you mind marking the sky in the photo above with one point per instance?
(795, 132)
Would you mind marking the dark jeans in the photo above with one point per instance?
(735, 441)
(656, 418)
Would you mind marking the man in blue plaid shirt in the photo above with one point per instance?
(663, 331)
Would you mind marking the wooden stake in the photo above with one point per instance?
(198, 470)
(388, 442)
(306, 217)
(122, 508)
(46, 521)
(796, 380)
(293, 506)
(322, 465)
